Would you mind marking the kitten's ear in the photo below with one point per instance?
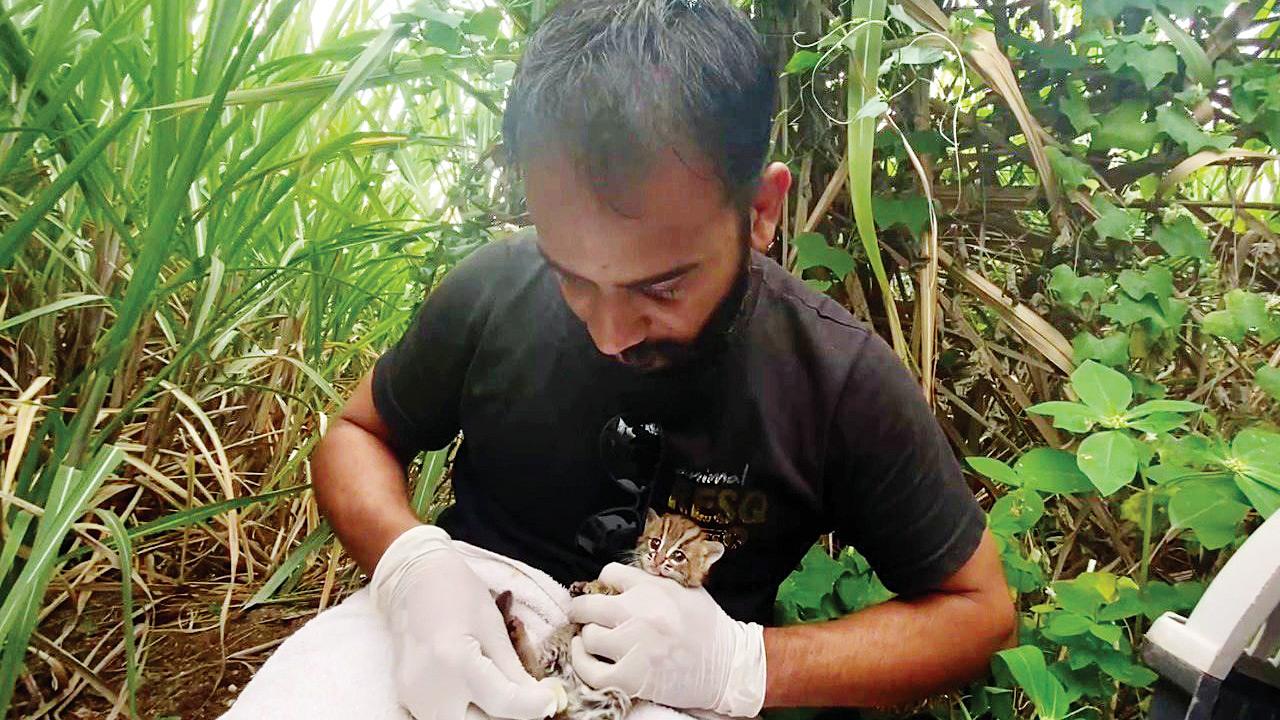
(715, 549)
(651, 517)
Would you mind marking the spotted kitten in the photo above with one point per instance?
(671, 546)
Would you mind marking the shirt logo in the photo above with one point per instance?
(719, 501)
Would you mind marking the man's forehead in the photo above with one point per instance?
(672, 218)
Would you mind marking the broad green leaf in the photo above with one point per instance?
(1178, 125)
(1212, 514)
(1223, 324)
(918, 54)
(1192, 450)
(1067, 415)
(1127, 603)
(1267, 379)
(802, 594)
(1181, 238)
(1070, 171)
(1066, 624)
(1108, 8)
(484, 23)
(1026, 664)
(1109, 459)
(1249, 310)
(1109, 634)
(1159, 598)
(1151, 63)
(1016, 512)
(1071, 289)
(874, 107)
(812, 250)
(1022, 574)
(909, 211)
(1125, 670)
(995, 469)
(1112, 222)
(1112, 350)
(1159, 422)
(1086, 593)
(1103, 389)
(1076, 108)
(1123, 127)
(428, 11)
(1051, 470)
(1264, 499)
(802, 61)
(859, 589)
(1153, 406)
(1127, 311)
(1199, 68)
(1156, 281)
(1256, 452)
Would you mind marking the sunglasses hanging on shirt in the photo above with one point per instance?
(631, 452)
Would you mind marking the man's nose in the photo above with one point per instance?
(614, 323)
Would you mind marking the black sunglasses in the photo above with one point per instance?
(631, 452)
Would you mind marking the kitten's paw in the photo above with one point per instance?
(591, 587)
(557, 688)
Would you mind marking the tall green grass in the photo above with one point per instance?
(209, 213)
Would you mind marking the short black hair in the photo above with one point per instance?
(612, 82)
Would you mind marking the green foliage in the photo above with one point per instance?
(823, 588)
(1246, 314)
(1180, 238)
(813, 251)
(1112, 350)
(1136, 122)
(1124, 127)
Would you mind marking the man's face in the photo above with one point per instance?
(646, 283)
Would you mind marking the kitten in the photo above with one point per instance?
(670, 546)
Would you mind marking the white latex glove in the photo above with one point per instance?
(669, 644)
(451, 646)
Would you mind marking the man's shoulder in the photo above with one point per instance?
(499, 271)
(513, 252)
(818, 318)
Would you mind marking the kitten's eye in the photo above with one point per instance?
(653, 543)
(678, 556)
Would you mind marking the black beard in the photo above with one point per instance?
(654, 355)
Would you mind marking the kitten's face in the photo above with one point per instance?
(674, 546)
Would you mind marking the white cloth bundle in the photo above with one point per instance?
(338, 665)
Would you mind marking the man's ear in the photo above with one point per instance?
(766, 204)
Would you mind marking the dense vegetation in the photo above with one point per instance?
(1062, 213)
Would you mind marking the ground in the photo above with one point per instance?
(189, 672)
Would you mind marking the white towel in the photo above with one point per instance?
(338, 665)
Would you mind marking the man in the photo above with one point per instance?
(643, 303)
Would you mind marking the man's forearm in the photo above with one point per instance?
(360, 487)
(893, 653)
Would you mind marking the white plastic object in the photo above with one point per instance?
(1239, 613)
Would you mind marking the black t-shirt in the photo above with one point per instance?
(803, 423)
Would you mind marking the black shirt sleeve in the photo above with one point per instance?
(898, 496)
(417, 384)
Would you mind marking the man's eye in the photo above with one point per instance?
(663, 291)
(568, 279)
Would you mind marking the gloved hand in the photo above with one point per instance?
(451, 647)
(669, 644)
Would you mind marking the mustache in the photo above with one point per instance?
(658, 353)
